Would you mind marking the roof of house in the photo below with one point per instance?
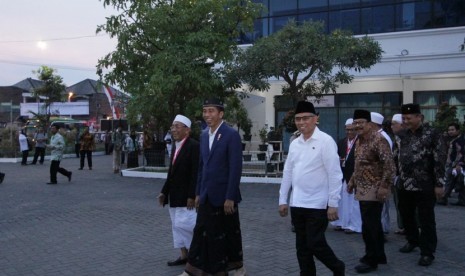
(29, 84)
(85, 87)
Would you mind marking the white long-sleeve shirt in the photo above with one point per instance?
(313, 171)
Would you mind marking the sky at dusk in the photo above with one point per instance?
(56, 33)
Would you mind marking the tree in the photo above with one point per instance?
(446, 115)
(311, 62)
(166, 52)
(52, 90)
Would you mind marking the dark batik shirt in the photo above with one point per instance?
(421, 159)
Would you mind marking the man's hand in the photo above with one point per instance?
(332, 214)
(229, 207)
(190, 204)
(439, 192)
(197, 202)
(283, 210)
(383, 194)
(161, 199)
(350, 189)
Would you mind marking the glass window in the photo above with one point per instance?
(311, 5)
(317, 16)
(278, 22)
(377, 19)
(375, 2)
(345, 19)
(449, 13)
(426, 98)
(343, 4)
(279, 7)
(405, 17)
(260, 29)
(413, 16)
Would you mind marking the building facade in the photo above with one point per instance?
(423, 57)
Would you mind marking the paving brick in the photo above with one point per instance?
(103, 224)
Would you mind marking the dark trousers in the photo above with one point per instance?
(423, 202)
(89, 158)
(455, 182)
(107, 148)
(217, 242)
(310, 226)
(25, 153)
(39, 152)
(54, 169)
(372, 231)
(77, 149)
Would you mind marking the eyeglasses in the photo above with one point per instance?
(177, 126)
(359, 123)
(303, 118)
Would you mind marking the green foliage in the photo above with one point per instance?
(237, 114)
(288, 122)
(52, 89)
(166, 52)
(446, 115)
(262, 133)
(311, 62)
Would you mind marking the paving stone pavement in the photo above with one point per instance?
(103, 224)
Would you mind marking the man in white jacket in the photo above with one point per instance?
(313, 171)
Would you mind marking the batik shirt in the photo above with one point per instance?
(58, 143)
(374, 167)
(421, 158)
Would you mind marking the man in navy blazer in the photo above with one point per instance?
(217, 243)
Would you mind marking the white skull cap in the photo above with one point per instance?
(183, 119)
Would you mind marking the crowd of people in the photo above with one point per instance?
(347, 184)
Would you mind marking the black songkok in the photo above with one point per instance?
(303, 106)
(410, 109)
(362, 114)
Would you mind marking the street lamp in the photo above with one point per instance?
(70, 94)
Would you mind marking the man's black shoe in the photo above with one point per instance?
(364, 260)
(364, 268)
(51, 183)
(69, 176)
(178, 261)
(407, 248)
(458, 204)
(80, 169)
(425, 260)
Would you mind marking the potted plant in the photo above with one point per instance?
(246, 126)
(262, 133)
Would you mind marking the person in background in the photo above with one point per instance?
(179, 188)
(57, 146)
(312, 155)
(23, 146)
(107, 141)
(117, 140)
(87, 143)
(396, 127)
(349, 209)
(41, 142)
(77, 142)
(168, 141)
(131, 146)
(454, 166)
(377, 124)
